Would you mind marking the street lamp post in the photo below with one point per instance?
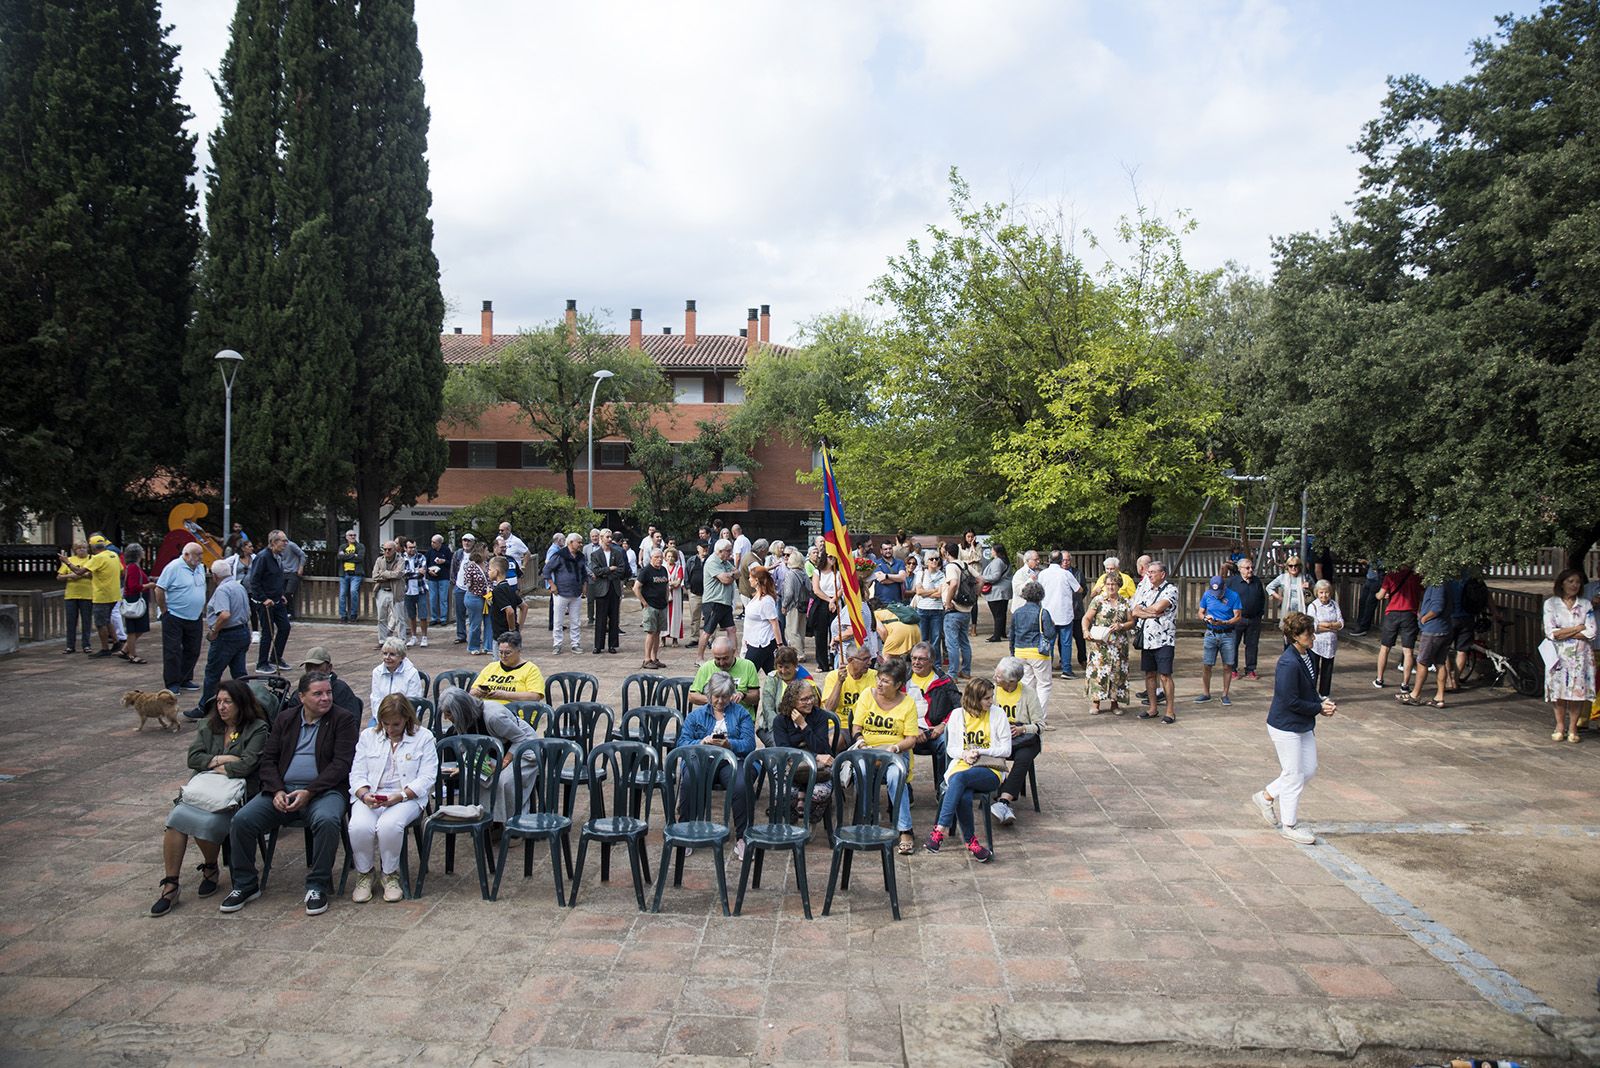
(228, 362)
(599, 377)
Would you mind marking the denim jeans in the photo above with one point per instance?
(227, 653)
(958, 643)
(80, 616)
(459, 595)
(958, 791)
(1062, 644)
(439, 601)
(349, 597)
(902, 820)
(472, 611)
(930, 621)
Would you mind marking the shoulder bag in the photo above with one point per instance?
(134, 607)
(213, 791)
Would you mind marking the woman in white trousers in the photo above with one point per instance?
(392, 775)
(1291, 724)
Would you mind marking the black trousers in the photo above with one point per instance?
(1324, 674)
(608, 620)
(274, 634)
(180, 650)
(1023, 752)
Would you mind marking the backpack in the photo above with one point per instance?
(903, 612)
(1474, 597)
(966, 595)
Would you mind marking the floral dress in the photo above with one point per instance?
(1107, 677)
(1572, 676)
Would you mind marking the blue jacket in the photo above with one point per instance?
(567, 572)
(741, 728)
(1295, 701)
(266, 578)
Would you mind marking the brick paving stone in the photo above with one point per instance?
(1146, 873)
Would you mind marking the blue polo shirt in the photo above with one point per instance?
(185, 587)
(892, 590)
(1221, 607)
(1434, 600)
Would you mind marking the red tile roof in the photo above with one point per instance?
(715, 352)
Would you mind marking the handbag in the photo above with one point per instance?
(1099, 633)
(134, 607)
(213, 791)
(1138, 634)
(1043, 645)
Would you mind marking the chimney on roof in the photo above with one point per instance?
(766, 323)
(688, 323)
(458, 330)
(751, 333)
(572, 323)
(666, 329)
(743, 332)
(636, 329)
(488, 322)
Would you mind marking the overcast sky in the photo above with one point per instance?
(741, 153)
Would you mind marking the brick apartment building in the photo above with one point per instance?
(500, 455)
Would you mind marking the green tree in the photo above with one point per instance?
(534, 513)
(683, 484)
(792, 394)
(1433, 358)
(394, 275)
(97, 249)
(548, 377)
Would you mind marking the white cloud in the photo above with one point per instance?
(636, 154)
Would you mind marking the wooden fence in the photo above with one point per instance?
(42, 613)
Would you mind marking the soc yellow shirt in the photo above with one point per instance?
(106, 577)
(524, 678)
(850, 691)
(886, 726)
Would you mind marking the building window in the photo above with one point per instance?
(732, 392)
(612, 455)
(688, 389)
(538, 454)
(481, 453)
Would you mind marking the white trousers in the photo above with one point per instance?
(385, 827)
(1297, 761)
(569, 609)
(1037, 672)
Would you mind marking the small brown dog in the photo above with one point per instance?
(161, 705)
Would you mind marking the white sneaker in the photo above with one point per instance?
(391, 887)
(1263, 805)
(410, 642)
(255, 637)
(423, 641)
(1002, 812)
(1296, 835)
(363, 891)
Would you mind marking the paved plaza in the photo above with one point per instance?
(1456, 880)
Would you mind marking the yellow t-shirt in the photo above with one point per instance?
(78, 589)
(106, 580)
(898, 637)
(922, 682)
(524, 678)
(850, 691)
(1009, 700)
(974, 734)
(885, 726)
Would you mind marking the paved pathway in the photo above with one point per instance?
(1147, 874)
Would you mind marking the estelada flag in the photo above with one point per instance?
(836, 537)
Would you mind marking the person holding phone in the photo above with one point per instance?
(723, 722)
(510, 678)
(391, 776)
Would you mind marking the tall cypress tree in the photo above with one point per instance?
(394, 274)
(97, 249)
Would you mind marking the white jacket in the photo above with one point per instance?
(999, 735)
(417, 757)
(405, 679)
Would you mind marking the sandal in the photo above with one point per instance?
(208, 880)
(1405, 698)
(169, 897)
(1147, 715)
(137, 660)
(1169, 719)
(1435, 703)
(908, 844)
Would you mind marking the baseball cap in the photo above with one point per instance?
(98, 542)
(1216, 582)
(317, 654)
(468, 537)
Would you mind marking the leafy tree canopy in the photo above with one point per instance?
(683, 484)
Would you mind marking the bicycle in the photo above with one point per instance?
(1521, 673)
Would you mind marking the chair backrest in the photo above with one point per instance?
(530, 712)
(476, 754)
(784, 774)
(654, 725)
(691, 775)
(639, 689)
(870, 769)
(536, 766)
(570, 686)
(577, 721)
(460, 678)
(427, 714)
(625, 768)
(674, 691)
(836, 728)
(425, 677)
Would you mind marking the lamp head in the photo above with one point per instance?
(228, 355)
(603, 374)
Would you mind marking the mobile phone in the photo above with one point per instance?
(720, 734)
(380, 798)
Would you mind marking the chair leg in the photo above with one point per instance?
(566, 852)
(988, 822)
(1033, 786)
(267, 846)
(849, 858)
(800, 878)
(661, 876)
(500, 865)
(677, 867)
(423, 850)
(644, 865)
(722, 877)
(889, 882)
(635, 858)
(527, 857)
(480, 854)
(449, 854)
(605, 862)
(760, 855)
(555, 869)
(577, 872)
(833, 879)
(752, 853)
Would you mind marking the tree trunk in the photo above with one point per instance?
(1578, 545)
(369, 505)
(1133, 521)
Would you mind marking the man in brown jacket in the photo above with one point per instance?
(305, 775)
(389, 572)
